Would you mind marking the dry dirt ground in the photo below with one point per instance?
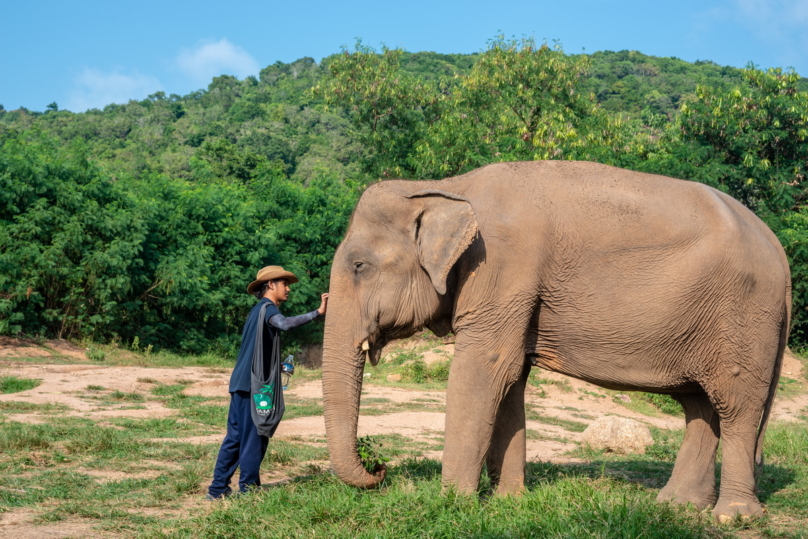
(560, 397)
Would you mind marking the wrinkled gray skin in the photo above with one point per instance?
(630, 281)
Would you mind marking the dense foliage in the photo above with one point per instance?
(146, 220)
(161, 260)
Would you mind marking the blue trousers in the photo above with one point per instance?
(242, 448)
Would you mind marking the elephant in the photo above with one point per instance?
(628, 280)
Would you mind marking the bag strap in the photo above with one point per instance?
(277, 397)
(258, 351)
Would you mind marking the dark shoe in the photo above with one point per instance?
(214, 498)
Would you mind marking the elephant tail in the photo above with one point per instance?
(764, 420)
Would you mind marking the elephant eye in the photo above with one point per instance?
(358, 266)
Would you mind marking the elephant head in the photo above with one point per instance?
(391, 277)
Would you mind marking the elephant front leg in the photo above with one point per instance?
(506, 455)
(477, 386)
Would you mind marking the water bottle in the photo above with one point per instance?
(287, 370)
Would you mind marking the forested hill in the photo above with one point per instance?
(275, 116)
(146, 220)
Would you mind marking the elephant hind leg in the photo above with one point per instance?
(505, 459)
(693, 477)
(738, 439)
(739, 395)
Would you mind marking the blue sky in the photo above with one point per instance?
(89, 53)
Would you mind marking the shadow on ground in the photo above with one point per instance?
(646, 473)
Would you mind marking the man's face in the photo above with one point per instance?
(280, 289)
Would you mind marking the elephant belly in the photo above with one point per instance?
(623, 373)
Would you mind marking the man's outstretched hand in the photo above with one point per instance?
(323, 305)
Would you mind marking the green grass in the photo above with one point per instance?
(197, 410)
(566, 424)
(157, 427)
(536, 435)
(21, 436)
(419, 372)
(53, 469)
(782, 484)
(163, 390)
(538, 381)
(557, 503)
(44, 466)
(651, 404)
(385, 406)
(12, 384)
(784, 481)
(663, 403)
(301, 407)
(281, 454)
(126, 397)
(17, 406)
(790, 387)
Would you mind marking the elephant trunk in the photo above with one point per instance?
(343, 366)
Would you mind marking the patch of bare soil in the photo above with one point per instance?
(61, 347)
(789, 408)
(31, 419)
(211, 387)
(105, 476)
(11, 347)
(20, 524)
(77, 387)
(792, 366)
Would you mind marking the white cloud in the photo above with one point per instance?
(213, 58)
(95, 89)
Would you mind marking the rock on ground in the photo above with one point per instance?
(618, 434)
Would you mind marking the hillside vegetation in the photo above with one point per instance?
(143, 222)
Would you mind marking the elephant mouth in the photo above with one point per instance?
(372, 351)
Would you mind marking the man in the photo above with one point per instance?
(243, 447)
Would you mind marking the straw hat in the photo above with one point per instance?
(268, 274)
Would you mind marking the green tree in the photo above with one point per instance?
(520, 102)
(750, 141)
(69, 242)
(390, 107)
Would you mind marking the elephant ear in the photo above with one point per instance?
(444, 229)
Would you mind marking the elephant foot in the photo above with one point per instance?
(509, 489)
(465, 489)
(698, 497)
(727, 510)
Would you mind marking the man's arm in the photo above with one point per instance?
(281, 322)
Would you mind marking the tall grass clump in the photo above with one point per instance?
(419, 372)
(663, 403)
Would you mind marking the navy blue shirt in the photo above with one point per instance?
(273, 321)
